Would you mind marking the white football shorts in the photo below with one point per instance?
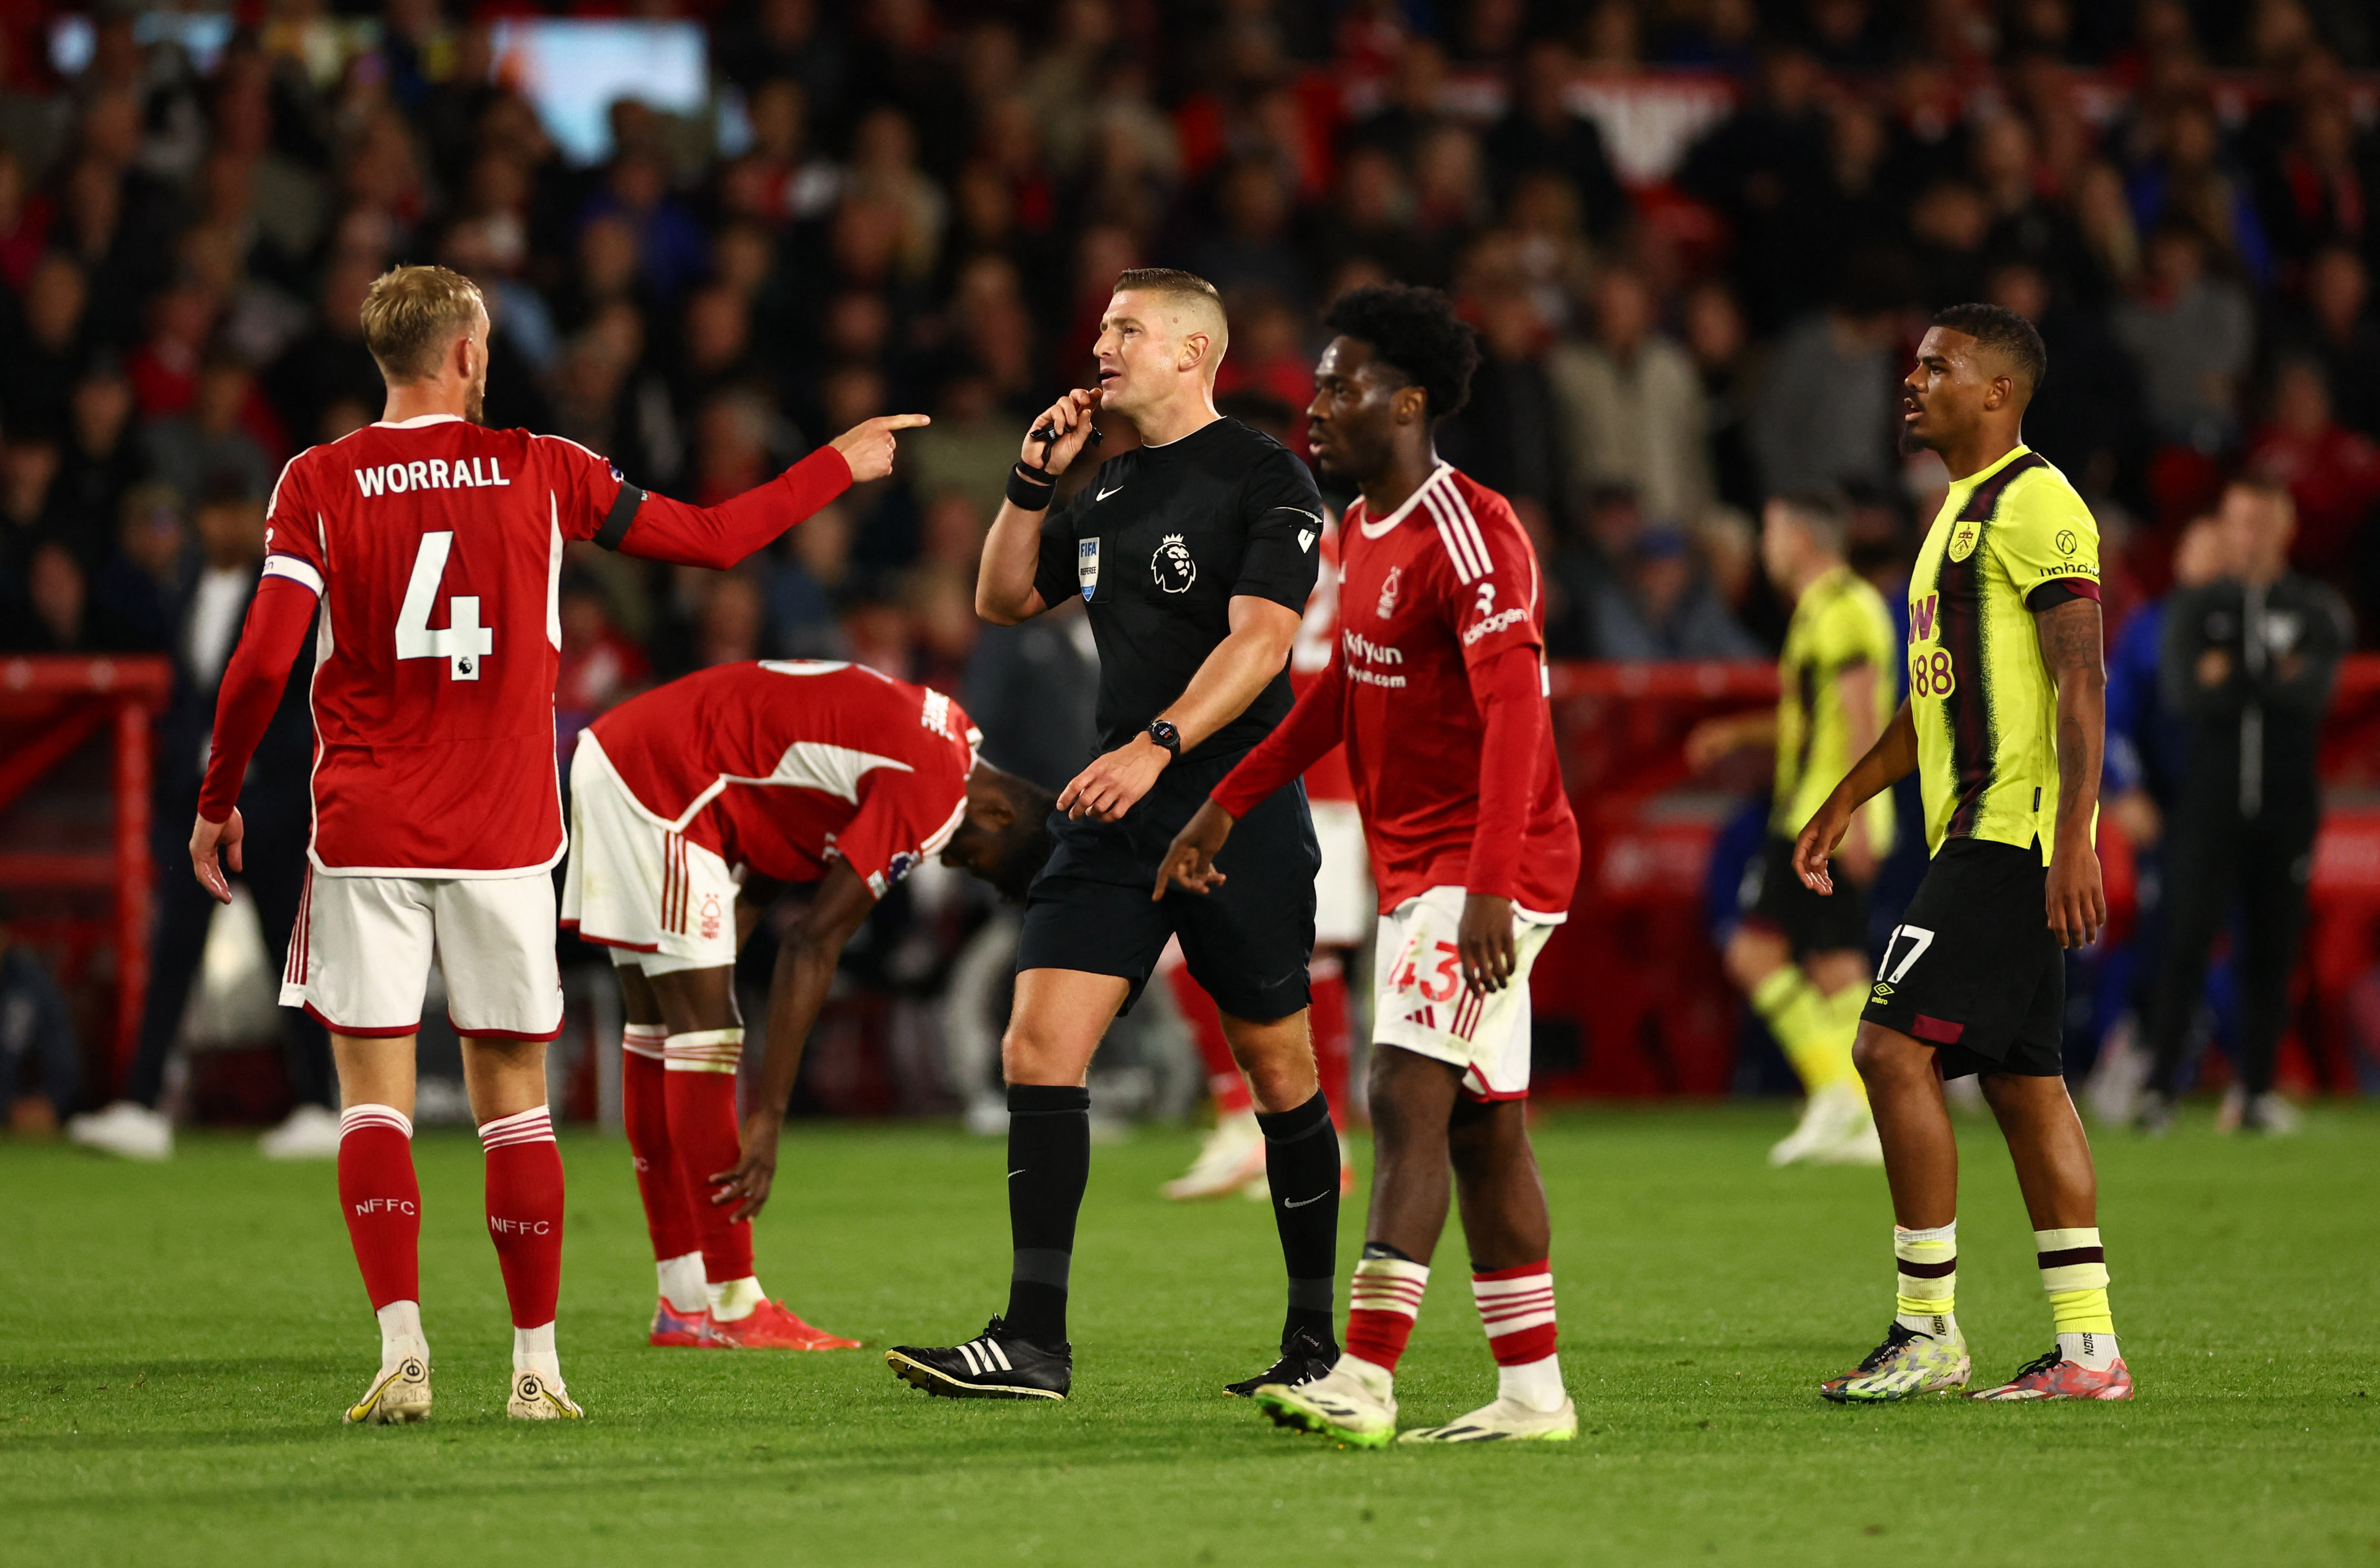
(637, 887)
(1420, 1003)
(359, 958)
(1343, 888)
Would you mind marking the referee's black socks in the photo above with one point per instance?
(1048, 1165)
(1301, 1169)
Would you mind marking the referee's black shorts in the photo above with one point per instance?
(1974, 969)
(1248, 942)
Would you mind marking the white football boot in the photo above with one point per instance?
(1232, 1156)
(1861, 1146)
(398, 1395)
(310, 1132)
(1833, 1114)
(1507, 1420)
(133, 1131)
(1344, 1405)
(2266, 1113)
(536, 1397)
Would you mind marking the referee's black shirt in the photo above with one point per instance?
(1160, 543)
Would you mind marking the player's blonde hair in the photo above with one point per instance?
(1191, 295)
(1826, 515)
(411, 314)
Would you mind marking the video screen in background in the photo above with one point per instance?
(202, 34)
(574, 70)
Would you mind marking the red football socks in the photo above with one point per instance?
(644, 1105)
(1384, 1298)
(382, 1199)
(1333, 1042)
(525, 1211)
(1516, 1308)
(1205, 1024)
(699, 1085)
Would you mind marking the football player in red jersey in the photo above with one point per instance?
(434, 546)
(1438, 693)
(750, 776)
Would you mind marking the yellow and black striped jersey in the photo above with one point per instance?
(2009, 540)
(1839, 623)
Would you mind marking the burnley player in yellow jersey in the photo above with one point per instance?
(1802, 959)
(2003, 726)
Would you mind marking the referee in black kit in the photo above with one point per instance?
(1196, 553)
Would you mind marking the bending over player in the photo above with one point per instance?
(2003, 726)
(1438, 695)
(783, 772)
(436, 817)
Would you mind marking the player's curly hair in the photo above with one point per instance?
(2004, 332)
(1417, 331)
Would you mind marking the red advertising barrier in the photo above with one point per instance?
(1631, 999)
(76, 860)
(1630, 996)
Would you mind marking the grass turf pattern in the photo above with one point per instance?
(177, 1343)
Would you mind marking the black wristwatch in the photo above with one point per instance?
(1162, 731)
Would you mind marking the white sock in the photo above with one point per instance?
(1379, 1380)
(533, 1352)
(400, 1333)
(2095, 1351)
(1941, 1325)
(733, 1300)
(681, 1280)
(1536, 1385)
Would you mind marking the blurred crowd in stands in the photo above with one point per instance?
(1699, 238)
(902, 206)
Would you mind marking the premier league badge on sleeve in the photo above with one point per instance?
(1087, 566)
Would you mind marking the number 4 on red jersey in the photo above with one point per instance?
(436, 548)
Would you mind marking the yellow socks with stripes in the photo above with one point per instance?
(1928, 1290)
(1843, 1011)
(2074, 1273)
(1807, 1027)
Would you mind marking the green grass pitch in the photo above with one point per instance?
(177, 1342)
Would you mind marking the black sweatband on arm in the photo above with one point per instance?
(623, 513)
(2059, 590)
(1029, 490)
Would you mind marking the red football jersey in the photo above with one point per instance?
(1446, 583)
(1310, 656)
(436, 547)
(784, 766)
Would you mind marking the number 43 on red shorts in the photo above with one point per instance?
(1420, 1003)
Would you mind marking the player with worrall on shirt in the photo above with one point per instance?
(434, 547)
(1439, 695)
(742, 779)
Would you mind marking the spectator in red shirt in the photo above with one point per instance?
(2332, 473)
